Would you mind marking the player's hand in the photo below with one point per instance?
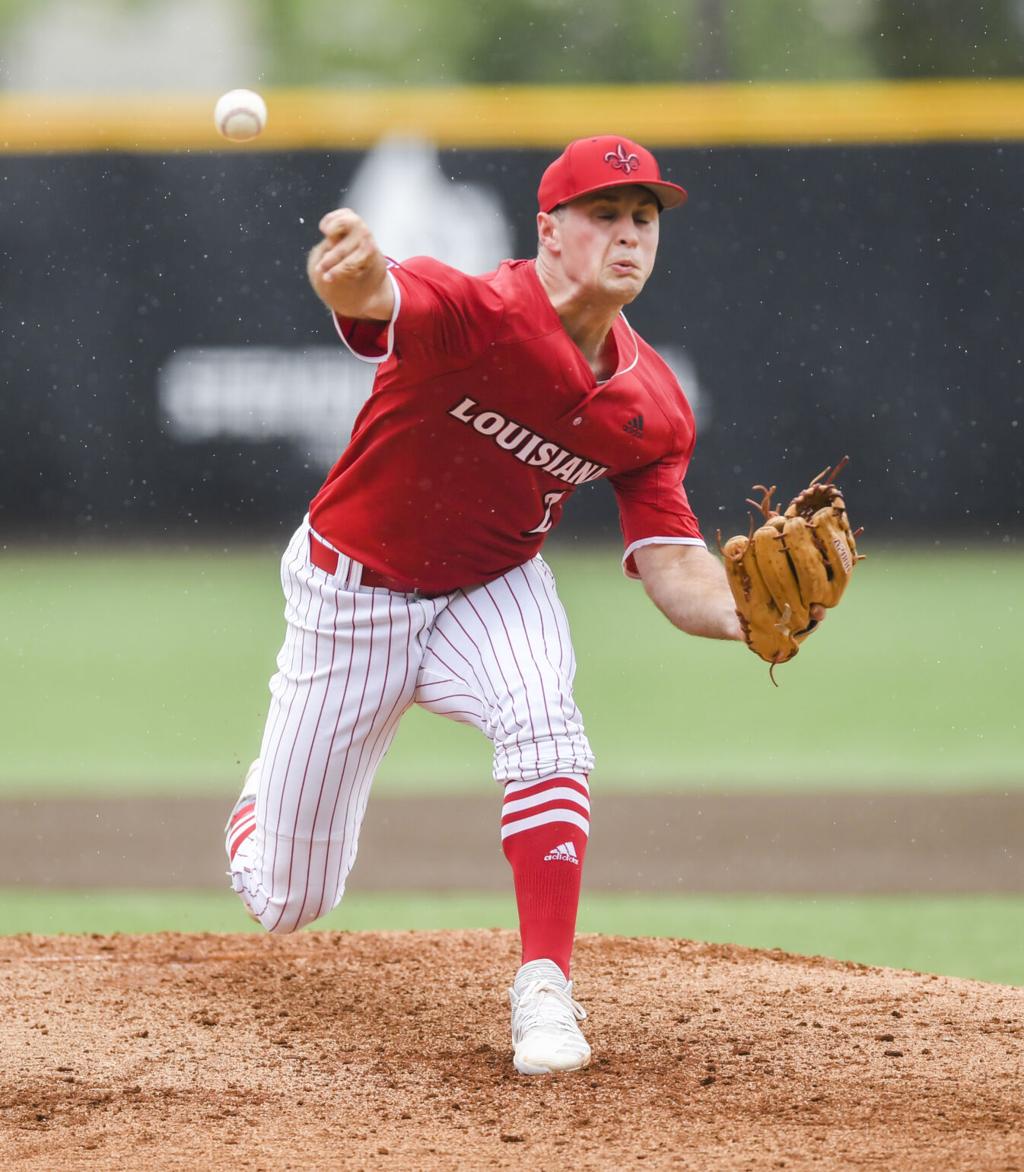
(348, 270)
(348, 250)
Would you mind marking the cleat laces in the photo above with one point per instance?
(543, 1004)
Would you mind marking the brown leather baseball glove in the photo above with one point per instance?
(796, 560)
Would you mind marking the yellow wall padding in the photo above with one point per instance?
(530, 116)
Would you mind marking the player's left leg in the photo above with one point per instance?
(500, 657)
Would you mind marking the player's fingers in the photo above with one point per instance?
(336, 252)
(352, 264)
(338, 222)
(319, 251)
(352, 247)
(352, 244)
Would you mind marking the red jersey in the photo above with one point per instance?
(483, 419)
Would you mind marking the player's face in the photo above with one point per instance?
(608, 241)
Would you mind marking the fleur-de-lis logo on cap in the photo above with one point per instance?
(621, 161)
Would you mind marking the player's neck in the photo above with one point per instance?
(593, 335)
(587, 322)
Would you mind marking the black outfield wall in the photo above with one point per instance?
(860, 300)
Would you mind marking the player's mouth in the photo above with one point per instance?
(624, 267)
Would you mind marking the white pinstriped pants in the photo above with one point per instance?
(354, 660)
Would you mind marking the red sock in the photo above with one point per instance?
(544, 827)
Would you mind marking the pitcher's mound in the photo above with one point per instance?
(340, 1050)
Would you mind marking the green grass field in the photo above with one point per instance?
(145, 672)
(976, 937)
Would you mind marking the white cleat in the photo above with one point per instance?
(545, 1035)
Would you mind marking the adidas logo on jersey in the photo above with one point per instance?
(565, 852)
(635, 426)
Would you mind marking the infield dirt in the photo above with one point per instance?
(339, 1050)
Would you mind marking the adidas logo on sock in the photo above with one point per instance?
(565, 852)
(635, 426)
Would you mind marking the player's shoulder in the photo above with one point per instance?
(654, 370)
(430, 268)
(511, 296)
(651, 363)
(661, 383)
(452, 283)
(529, 314)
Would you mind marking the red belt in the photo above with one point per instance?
(326, 559)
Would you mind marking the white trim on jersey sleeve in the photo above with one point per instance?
(375, 359)
(657, 541)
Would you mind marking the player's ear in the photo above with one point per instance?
(547, 231)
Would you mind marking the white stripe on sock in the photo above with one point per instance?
(514, 787)
(521, 824)
(548, 795)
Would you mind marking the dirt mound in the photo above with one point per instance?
(342, 1050)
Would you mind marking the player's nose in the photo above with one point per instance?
(628, 232)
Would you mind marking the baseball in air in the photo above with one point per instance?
(240, 115)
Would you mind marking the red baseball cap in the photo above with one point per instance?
(592, 164)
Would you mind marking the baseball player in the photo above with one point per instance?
(416, 577)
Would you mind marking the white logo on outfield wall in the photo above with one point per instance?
(260, 393)
(312, 395)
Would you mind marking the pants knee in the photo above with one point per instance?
(544, 756)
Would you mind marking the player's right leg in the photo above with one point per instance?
(346, 673)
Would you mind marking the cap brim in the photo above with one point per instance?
(669, 195)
